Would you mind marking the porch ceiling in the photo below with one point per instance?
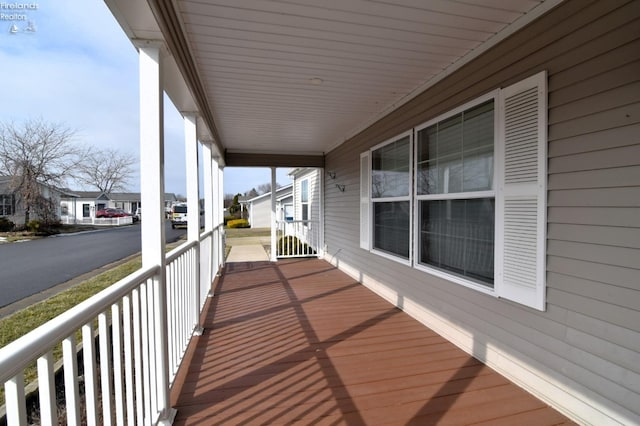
(302, 76)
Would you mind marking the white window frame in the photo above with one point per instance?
(408, 198)
(365, 203)
(458, 279)
(305, 203)
(519, 192)
(10, 201)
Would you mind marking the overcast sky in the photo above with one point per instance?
(79, 69)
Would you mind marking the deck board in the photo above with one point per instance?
(301, 342)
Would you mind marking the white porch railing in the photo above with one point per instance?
(118, 361)
(105, 221)
(297, 238)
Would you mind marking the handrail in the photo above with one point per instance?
(176, 252)
(18, 354)
(218, 227)
(206, 234)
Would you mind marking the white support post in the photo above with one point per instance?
(193, 207)
(152, 198)
(208, 181)
(273, 216)
(207, 164)
(217, 217)
(193, 196)
(220, 218)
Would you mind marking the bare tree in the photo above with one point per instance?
(107, 170)
(36, 154)
(266, 187)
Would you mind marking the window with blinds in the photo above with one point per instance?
(471, 189)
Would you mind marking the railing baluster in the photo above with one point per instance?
(178, 315)
(153, 348)
(105, 368)
(71, 393)
(138, 297)
(15, 402)
(146, 366)
(171, 326)
(47, 390)
(182, 282)
(193, 291)
(118, 384)
(128, 359)
(90, 385)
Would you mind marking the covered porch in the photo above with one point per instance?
(269, 83)
(299, 341)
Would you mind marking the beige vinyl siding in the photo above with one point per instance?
(261, 213)
(581, 354)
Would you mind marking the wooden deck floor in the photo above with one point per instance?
(301, 342)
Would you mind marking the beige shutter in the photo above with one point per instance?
(364, 201)
(521, 194)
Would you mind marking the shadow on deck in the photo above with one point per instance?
(301, 342)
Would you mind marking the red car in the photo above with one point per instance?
(110, 212)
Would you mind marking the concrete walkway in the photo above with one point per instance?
(247, 253)
(248, 249)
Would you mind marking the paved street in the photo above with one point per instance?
(29, 267)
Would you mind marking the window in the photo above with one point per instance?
(455, 193)
(7, 204)
(304, 198)
(288, 212)
(470, 193)
(391, 197)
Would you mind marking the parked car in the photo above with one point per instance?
(111, 212)
(138, 214)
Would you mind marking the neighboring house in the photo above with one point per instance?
(82, 205)
(12, 208)
(260, 207)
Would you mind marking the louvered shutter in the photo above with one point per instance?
(521, 195)
(364, 201)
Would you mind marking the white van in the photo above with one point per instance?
(179, 215)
